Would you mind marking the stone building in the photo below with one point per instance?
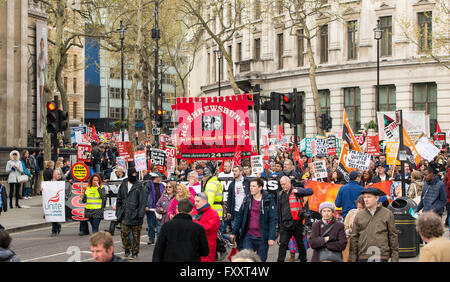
(268, 52)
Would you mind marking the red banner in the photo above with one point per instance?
(210, 128)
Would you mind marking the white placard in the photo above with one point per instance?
(358, 160)
(426, 150)
(53, 200)
(320, 169)
(257, 164)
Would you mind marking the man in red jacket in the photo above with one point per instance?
(209, 219)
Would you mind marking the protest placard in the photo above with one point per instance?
(84, 153)
(320, 169)
(391, 152)
(124, 149)
(373, 145)
(257, 164)
(53, 201)
(158, 157)
(331, 145)
(140, 161)
(358, 160)
(321, 147)
(426, 149)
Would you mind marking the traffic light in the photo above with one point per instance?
(298, 108)
(323, 121)
(287, 108)
(329, 123)
(52, 117)
(159, 117)
(273, 103)
(63, 117)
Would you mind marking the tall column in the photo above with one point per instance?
(337, 108)
(368, 104)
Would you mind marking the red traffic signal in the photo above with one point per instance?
(51, 106)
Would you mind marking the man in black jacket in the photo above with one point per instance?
(181, 239)
(288, 170)
(288, 217)
(130, 211)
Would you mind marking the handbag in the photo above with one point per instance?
(326, 254)
(22, 178)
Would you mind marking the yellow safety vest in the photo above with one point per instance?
(214, 191)
(93, 202)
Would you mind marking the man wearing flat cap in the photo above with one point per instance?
(374, 237)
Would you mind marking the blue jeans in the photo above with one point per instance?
(152, 223)
(97, 169)
(95, 223)
(256, 244)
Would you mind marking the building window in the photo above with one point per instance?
(386, 39)
(74, 110)
(352, 105)
(115, 113)
(208, 68)
(324, 100)
(257, 49)
(300, 48)
(239, 52)
(115, 93)
(65, 83)
(324, 44)
(75, 61)
(425, 29)
(74, 85)
(386, 100)
(280, 47)
(138, 114)
(352, 39)
(425, 99)
(257, 7)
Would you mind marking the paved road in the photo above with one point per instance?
(37, 246)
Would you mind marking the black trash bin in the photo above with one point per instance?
(408, 238)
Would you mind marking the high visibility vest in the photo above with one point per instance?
(296, 206)
(214, 191)
(93, 202)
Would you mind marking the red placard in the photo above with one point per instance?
(83, 153)
(210, 128)
(125, 151)
(373, 145)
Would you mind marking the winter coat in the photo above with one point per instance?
(162, 207)
(210, 220)
(413, 187)
(267, 218)
(7, 255)
(347, 195)
(231, 197)
(436, 250)
(174, 204)
(181, 240)
(337, 241)
(284, 207)
(14, 173)
(434, 196)
(374, 231)
(151, 193)
(130, 206)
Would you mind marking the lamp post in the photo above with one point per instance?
(219, 58)
(156, 35)
(122, 30)
(378, 34)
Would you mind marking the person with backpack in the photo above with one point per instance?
(290, 219)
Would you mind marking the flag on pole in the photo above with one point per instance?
(297, 157)
(280, 132)
(94, 135)
(348, 136)
(438, 128)
(237, 156)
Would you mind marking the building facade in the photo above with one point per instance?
(273, 54)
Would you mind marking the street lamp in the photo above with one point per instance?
(378, 34)
(122, 30)
(219, 57)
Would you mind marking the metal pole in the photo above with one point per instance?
(156, 37)
(401, 151)
(220, 59)
(296, 111)
(378, 68)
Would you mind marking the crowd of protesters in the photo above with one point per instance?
(250, 216)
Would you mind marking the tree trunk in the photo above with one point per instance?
(145, 96)
(312, 80)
